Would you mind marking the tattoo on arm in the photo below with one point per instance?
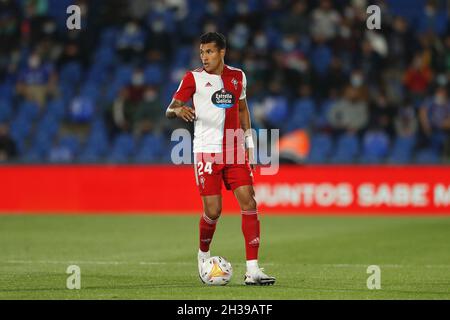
(170, 112)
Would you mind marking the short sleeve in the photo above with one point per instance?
(186, 89)
(244, 86)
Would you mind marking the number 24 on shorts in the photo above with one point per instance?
(207, 168)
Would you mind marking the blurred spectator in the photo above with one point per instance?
(123, 112)
(400, 39)
(148, 116)
(9, 25)
(37, 80)
(433, 18)
(325, 20)
(382, 113)
(405, 122)
(297, 20)
(417, 78)
(350, 113)
(434, 116)
(8, 149)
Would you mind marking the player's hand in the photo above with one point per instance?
(186, 113)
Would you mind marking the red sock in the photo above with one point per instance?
(207, 228)
(250, 229)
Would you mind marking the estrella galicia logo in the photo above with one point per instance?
(223, 99)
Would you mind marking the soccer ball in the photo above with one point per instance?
(216, 271)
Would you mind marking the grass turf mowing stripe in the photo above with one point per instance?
(154, 257)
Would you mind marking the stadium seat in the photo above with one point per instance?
(402, 149)
(375, 147)
(303, 113)
(182, 56)
(6, 110)
(48, 125)
(20, 128)
(56, 108)
(64, 150)
(153, 74)
(40, 147)
(71, 73)
(123, 75)
(427, 156)
(96, 145)
(123, 148)
(151, 148)
(347, 149)
(108, 37)
(321, 147)
(28, 110)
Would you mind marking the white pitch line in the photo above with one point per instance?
(338, 265)
(105, 262)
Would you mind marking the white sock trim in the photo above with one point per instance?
(252, 265)
(208, 220)
(203, 254)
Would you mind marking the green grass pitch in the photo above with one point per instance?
(154, 257)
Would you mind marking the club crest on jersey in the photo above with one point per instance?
(235, 83)
(223, 99)
(202, 182)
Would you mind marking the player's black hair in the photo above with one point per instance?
(216, 37)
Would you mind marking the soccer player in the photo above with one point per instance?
(218, 93)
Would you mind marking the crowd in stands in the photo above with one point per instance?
(99, 94)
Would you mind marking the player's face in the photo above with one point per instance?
(211, 56)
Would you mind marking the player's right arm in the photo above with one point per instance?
(177, 109)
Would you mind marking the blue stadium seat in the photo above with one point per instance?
(427, 156)
(64, 150)
(108, 37)
(96, 145)
(20, 128)
(302, 114)
(321, 147)
(182, 56)
(48, 125)
(39, 149)
(402, 149)
(151, 147)
(70, 142)
(123, 148)
(6, 110)
(90, 90)
(347, 149)
(321, 120)
(71, 73)
(153, 74)
(375, 147)
(28, 110)
(123, 75)
(56, 108)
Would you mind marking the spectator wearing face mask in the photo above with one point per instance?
(148, 116)
(125, 106)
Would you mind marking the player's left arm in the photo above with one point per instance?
(244, 118)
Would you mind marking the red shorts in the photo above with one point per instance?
(209, 174)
